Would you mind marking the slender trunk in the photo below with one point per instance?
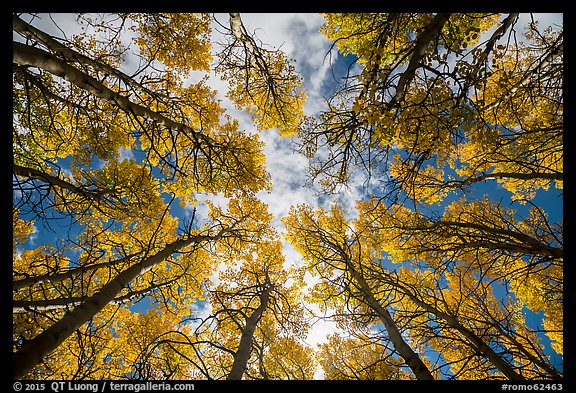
(411, 358)
(527, 245)
(500, 31)
(32, 352)
(58, 277)
(32, 33)
(56, 181)
(26, 55)
(507, 175)
(502, 245)
(543, 364)
(424, 38)
(476, 342)
(256, 59)
(243, 352)
(239, 32)
(22, 306)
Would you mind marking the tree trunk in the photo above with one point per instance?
(557, 50)
(26, 55)
(411, 358)
(32, 352)
(33, 34)
(58, 277)
(428, 34)
(476, 342)
(242, 354)
(56, 181)
(239, 32)
(22, 306)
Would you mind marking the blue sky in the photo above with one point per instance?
(320, 74)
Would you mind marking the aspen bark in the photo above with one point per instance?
(428, 34)
(55, 181)
(62, 51)
(411, 358)
(475, 341)
(58, 277)
(527, 244)
(32, 352)
(241, 35)
(242, 354)
(26, 55)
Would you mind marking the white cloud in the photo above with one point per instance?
(199, 312)
(33, 235)
(318, 334)
(297, 34)
(61, 25)
(126, 154)
(554, 20)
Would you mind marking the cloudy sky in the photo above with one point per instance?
(298, 35)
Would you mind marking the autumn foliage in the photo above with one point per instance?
(117, 129)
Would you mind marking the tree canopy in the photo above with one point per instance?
(143, 249)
